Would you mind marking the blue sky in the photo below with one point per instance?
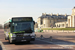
(34, 8)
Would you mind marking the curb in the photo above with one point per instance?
(3, 48)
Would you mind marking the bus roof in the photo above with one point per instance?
(21, 17)
(10, 19)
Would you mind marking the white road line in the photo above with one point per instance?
(2, 45)
(38, 45)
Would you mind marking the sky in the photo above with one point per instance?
(33, 8)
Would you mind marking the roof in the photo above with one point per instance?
(54, 16)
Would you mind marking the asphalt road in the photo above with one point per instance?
(38, 44)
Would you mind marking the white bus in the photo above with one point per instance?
(19, 29)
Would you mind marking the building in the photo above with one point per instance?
(36, 25)
(70, 20)
(56, 20)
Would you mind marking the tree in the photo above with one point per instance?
(0, 26)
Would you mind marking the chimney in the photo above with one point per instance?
(65, 14)
(45, 13)
(51, 14)
(57, 14)
(42, 13)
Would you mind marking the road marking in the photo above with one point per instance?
(38, 45)
(2, 45)
(63, 45)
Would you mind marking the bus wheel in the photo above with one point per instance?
(5, 38)
(11, 41)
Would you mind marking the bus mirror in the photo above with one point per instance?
(34, 22)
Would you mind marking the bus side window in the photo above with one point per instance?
(12, 28)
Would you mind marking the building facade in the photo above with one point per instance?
(70, 20)
(56, 20)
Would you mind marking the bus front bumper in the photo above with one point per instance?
(21, 39)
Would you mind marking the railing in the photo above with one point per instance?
(67, 31)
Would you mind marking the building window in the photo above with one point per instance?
(59, 25)
(63, 25)
(41, 23)
(44, 25)
(66, 25)
(54, 25)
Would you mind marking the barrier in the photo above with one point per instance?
(41, 37)
(57, 31)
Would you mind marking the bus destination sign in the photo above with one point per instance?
(21, 19)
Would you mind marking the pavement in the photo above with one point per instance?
(41, 44)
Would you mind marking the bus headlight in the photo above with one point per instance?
(32, 34)
(13, 35)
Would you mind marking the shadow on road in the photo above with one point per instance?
(46, 49)
(25, 43)
(57, 41)
(17, 43)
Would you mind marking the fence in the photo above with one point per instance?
(59, 31)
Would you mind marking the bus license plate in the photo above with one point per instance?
(23, 40)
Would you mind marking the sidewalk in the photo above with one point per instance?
(2, 46)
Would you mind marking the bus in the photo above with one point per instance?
(19, 29)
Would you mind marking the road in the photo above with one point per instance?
(38, 44)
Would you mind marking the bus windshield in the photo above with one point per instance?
(28, 27)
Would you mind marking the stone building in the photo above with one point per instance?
(36, 25)
(56, 20)
(70, 20)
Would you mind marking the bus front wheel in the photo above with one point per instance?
(5, 38)
(11, 41)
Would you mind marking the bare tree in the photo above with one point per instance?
(1, 26)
